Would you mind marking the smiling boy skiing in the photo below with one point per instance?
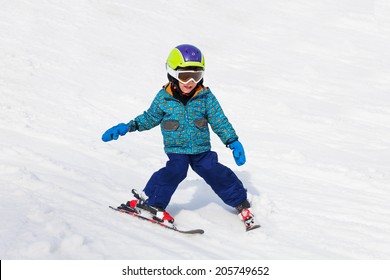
(185, 108)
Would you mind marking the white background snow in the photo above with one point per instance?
(305, 83)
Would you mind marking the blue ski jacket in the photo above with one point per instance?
(185, 128)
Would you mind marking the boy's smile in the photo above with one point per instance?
(187, 88)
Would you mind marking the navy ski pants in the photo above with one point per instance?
(222, 180)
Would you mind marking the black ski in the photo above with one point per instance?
(252, 227)
(171, 227)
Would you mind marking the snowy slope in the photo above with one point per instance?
(305, 83)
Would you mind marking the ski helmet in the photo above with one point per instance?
(185, 56)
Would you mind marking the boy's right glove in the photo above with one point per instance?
(114, 132)
(238, 152)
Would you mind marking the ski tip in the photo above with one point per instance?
(193, 231)
(252, 228)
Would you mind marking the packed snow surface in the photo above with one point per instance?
(306, 85)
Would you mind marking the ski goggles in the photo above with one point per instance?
(186, 76)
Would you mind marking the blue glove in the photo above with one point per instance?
(238, 152)
(114, 132)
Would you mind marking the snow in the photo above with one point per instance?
(305, 84)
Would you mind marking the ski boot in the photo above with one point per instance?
(162, 216)
(140, 202)
(247, 216)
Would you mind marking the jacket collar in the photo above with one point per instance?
(168, 88)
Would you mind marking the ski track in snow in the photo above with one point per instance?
(305, 84)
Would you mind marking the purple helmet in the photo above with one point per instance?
(185, 56)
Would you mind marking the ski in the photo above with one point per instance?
(174, 228)
(252, 227)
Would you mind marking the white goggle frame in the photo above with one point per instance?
(186, 76)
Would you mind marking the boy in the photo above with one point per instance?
(185, 108)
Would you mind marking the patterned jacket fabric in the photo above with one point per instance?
(185, 128)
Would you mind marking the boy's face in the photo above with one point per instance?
(187, 88)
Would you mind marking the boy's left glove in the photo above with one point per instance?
(238, 152)
(114, 132)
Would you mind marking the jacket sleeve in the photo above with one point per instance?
(218, 121)
(152, 117)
